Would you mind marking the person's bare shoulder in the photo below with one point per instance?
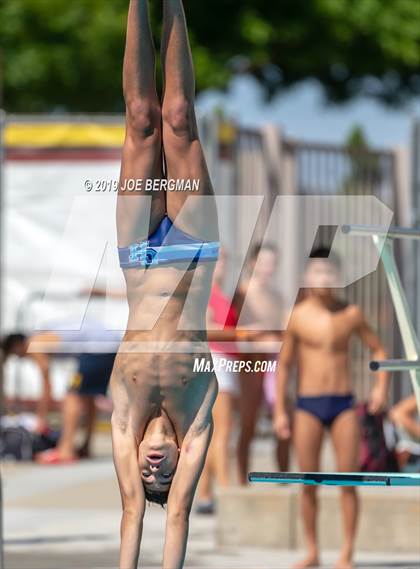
(301, 309)
(355, 313)
(298, 314)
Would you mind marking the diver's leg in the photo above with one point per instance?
(137, 213)
(183, 153)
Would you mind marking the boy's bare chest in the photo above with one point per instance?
(327, 330)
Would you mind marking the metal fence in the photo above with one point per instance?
(249, 161)
(264, 162)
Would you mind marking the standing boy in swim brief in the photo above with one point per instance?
(318, 340)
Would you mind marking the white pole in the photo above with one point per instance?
(2, 123)
(402, 310)
(394, 365)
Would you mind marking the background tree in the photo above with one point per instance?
(365, 166)
(67, 55)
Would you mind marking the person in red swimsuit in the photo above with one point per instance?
(220, 315)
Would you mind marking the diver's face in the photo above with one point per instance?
(321, 276)
(265, 266)
(157, 463)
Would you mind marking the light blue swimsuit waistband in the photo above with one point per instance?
(144, 255)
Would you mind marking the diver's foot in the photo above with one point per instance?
(205, 508)
(312, 560)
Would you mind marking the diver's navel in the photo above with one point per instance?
(164, 293)
(184, 380)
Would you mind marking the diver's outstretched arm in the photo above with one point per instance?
(181, 495)
(125, 451)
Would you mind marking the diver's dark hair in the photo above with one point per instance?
(326, 253)
(262, 246)
(160, 498)
(10, 341)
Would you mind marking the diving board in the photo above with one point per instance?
(338, 478)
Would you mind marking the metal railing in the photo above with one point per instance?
(324, 170)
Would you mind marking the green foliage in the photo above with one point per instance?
(67, 54)
(356, 139)
(365, 173)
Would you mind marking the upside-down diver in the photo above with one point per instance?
(168, 245)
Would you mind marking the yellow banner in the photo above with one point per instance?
(66, 135)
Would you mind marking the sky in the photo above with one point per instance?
(303, 114)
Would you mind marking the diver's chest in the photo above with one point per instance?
(183, 386)
(168, 377)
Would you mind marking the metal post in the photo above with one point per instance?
(2, 124)
(394, 365)
(402, 310)
(415, 203)
(374, 230)
(383, 238)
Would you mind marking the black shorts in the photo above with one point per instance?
(93, 374)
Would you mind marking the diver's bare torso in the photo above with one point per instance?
(162, 423)
(322, 346)
(154, 368)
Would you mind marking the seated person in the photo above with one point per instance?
(405, 416)
(90, 380)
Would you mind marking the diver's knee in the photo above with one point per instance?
(143, 118)
(178, 114)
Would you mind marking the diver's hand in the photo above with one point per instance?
(281, 425)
